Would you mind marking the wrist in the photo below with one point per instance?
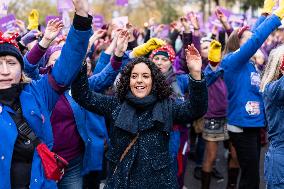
(44, 43)
(82, 13)
(118, 53)
(187, 29)
(196, 74)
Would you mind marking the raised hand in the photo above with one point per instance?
(21, 26)
(194, 20)
(81, 7)
(193, 61)
(130, 30)
(122, 43)
(52, 30)
(97, 35)
(222, 18)
(185, 23)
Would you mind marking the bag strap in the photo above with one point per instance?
(23, 127)
(128, 147)
(127, 150)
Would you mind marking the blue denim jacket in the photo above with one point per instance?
(273, 97)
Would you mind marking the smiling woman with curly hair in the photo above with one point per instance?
(160, 86)
(141, 117)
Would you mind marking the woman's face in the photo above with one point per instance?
(89, 67)
(245, 36)
(10, 71)
(141, 80)
(52, 59)
(162, 62)
(204, 47)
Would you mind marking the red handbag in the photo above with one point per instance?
(53, 164)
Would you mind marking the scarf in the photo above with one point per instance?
(161, 112)
(11, 95)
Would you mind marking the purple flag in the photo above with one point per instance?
(121, 2)
(98, 21)
(64, 5)
(4, 8)
(8, 23)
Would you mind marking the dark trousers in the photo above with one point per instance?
(247, 146)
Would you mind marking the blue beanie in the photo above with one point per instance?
(9, 49)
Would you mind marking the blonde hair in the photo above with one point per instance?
(272, 71)
(25, 78)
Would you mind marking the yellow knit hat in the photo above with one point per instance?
(214, 53)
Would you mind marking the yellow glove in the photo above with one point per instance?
(268, 6)
(280, 10)
(214, 52)
(33, 20)
(147, 47)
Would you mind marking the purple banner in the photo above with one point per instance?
(3, 8)
(237, 20)
(121, 2)
(165, 32)
(8, 23)
(98, 21)
(64, 5)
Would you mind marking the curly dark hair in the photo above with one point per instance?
(160, 86)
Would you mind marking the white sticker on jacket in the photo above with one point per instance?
(255, 78)
(253, 108)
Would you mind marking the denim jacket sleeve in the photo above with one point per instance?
(235, 60)
(274, 91)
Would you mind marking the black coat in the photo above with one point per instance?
(147, 165)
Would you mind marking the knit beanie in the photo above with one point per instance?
(9, 49)
(214, 53)
(166, 51)
(50, 51)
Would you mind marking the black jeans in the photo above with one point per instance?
(247, 145)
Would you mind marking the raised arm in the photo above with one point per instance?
(196, 106)
(240, 57)
(106, 77)
(88, 99)
(33, 57)
(266, 11)
(72, 55)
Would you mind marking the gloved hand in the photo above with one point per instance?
(214, 53)
(30, 37)
(280, 10)
(268, 6)
(33, 20)
(147, 47)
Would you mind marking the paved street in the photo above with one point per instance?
(192, 183)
